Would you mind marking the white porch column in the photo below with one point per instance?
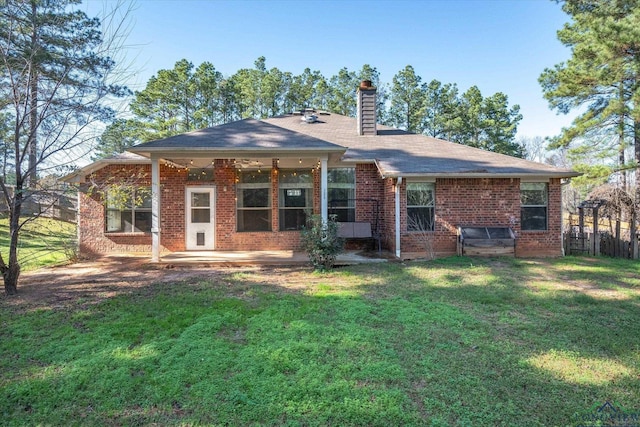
(155, 209)
(324, 193)
(398, 185)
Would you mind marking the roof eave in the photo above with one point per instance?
(78, 176)
(206, 152)
(528, 176)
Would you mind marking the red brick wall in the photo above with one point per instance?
(463, 201)
(91, 219)
(544, 243)
(484, 202)
(227, 238)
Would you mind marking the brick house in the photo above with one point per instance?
(250, 185)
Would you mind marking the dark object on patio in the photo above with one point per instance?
(486, 241)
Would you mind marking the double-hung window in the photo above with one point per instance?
(128, 210)
(295, 198)
(533, 205)
(342, 193)
(420, 206)
(254, 201)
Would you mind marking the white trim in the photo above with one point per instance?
(430, 180)
(155, 209)
(187, 214)
(397, 202)
(535, 179)
(324, 190)
(78, 229)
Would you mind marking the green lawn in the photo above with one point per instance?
(42, 242)
(457, 341)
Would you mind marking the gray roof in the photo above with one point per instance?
(125, 158)
(246, 135)
(400, 153)
(395, 152)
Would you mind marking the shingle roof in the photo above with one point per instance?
(118, 159)
(247, 134)
(400, 153)
(396, 152)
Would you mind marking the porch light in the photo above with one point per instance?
(300, 161)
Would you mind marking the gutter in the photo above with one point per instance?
(562, 185)
(455, 175)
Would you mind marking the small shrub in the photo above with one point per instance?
(321, 242)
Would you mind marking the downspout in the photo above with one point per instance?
(562, 185)
(398, 185)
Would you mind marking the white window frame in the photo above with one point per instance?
(430, 205)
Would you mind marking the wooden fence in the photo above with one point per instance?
(604, 244)
(50, 204)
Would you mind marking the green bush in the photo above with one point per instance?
(321, 242)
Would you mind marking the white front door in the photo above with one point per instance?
(200, 211)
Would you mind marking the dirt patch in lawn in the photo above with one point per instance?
(93, 281)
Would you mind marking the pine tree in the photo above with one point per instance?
(407, 100)
(602, 77)
(53, 83)
(440, 107)
(342, 93)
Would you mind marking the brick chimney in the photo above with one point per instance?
(366, 112)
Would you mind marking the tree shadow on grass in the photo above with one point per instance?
(545, 347)
(460, 341)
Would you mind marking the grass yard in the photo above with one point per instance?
(457, 341)
(43, 242)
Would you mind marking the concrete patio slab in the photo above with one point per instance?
(235, 258)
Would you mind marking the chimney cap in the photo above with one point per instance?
(366, 84)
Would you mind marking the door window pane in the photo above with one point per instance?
(201, 215)
(199, 200)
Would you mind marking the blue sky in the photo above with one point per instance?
(497, 45)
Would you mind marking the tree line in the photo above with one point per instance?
(601, 81)
(187, 97)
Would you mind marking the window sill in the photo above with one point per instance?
(126, 234)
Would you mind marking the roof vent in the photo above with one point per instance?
(309, 117)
